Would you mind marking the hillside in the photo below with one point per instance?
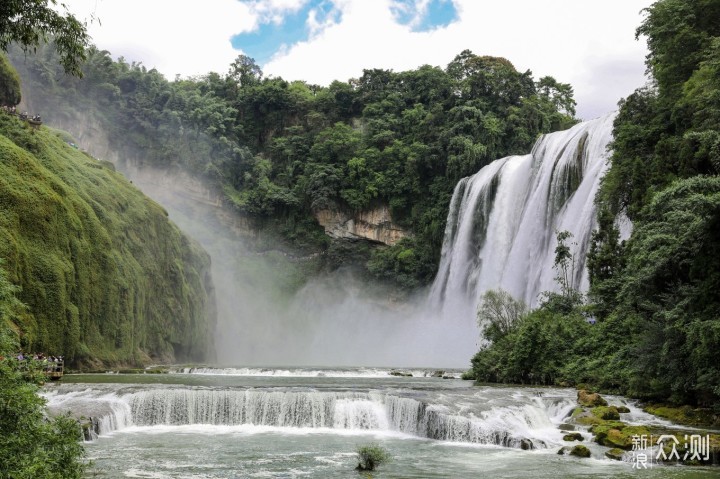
(299, 161)
(105, 276)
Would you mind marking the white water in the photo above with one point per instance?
(500, 232)
(319, 372)
(487, 416)
(220, 426)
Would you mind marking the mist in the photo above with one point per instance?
(333, 319)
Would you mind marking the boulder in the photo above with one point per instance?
(606, 413)
(615, 453)
(574, 436)
(580, 451)
(590, 399)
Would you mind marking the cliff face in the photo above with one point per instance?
(373, 225)
(104, 273)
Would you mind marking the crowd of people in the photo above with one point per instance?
(25, 116)
(51, 364)
(39, 357)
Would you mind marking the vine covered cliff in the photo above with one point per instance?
(105, 275)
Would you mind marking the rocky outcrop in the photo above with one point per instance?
(590, 399)
(374, 225)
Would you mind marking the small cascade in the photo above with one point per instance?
(503, 220)
(521, 425)
(361, 372)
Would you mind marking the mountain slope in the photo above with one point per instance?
(104, 273)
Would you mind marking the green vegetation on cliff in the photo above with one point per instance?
(281, 151)
(32, 446)
(104, 275)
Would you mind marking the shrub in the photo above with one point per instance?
(370, 456)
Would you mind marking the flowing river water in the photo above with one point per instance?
(303, 422)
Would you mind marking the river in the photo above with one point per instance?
(304, 422)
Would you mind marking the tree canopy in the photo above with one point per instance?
(281, 151)
(30, 23)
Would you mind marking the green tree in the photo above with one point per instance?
(32, 22)
(245, 71)
(670, 284)
(498, 313)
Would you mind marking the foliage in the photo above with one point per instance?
(536, 350)
(104, 274)
(371, 456)
(10, 94)
(32, 22)
(498, 313)
(671, 283)
(539, 347)
(31, 446)
(656, 295)
(286, 150)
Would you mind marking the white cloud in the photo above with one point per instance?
(567, 39)
(183, 37)
(588, 44)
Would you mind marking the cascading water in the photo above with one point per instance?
(502, 222)
(522, 422)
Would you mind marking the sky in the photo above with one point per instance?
(589, 44)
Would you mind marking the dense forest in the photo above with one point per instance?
(656, 297)
(281, 151)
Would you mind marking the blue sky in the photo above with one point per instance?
(273, 35)
(277, 34)
(588, 44)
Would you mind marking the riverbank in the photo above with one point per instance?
(694, 443)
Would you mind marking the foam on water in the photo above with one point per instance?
(443, 416)
(311, 372)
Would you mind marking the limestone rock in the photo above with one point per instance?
(373, 225)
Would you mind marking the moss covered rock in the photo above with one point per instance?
(620, 438)
(606, 413)
(575, 436)
(685, 415)
(580, 451)
(107, 278)
(615, 454)
(590, 399)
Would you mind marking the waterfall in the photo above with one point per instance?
(500, 232)
(519, 425)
